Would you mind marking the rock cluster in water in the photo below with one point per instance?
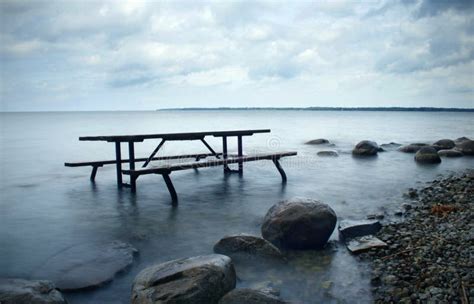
(429, 254)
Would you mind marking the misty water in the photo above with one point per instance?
(46, 207)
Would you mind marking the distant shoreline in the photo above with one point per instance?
(367, 109)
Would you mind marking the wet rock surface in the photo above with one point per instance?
(466, 147)
(364, 243)
(427, 155)
(200, 280)
(319, 141)
(429, 257)
(450, 153)
(366, 148)
(328, 153)
(19, 291)
(248, 245)
(87, 265)
(412, 148)
(351, 229)
(299, 223)
(444, 144)
(250, 296)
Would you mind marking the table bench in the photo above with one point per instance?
(220, 159)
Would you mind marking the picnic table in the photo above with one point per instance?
(220, 158)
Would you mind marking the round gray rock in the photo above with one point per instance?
(412, 148)
(366, 148)
(250, 296)
(199, 280)
(299, 223)
(87, 265)
(460, 140)
(467, 147)
(450, 153)
(18, 291)
(444, 144)
(319, 141)
(328, 153)
(246, 244)
(427, 155)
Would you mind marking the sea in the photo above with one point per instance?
(46, 207)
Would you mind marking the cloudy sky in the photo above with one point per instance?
(136, 55)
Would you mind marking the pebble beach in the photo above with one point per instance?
(430, 252)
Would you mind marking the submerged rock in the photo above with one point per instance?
(87, 265)
(427, 155)
(450, 153)
(247, 244)
(364, 243)
(197, 280)
(366, 148)
(250, 296)
(328, 153)
(319, 141)
(391, 145)
(444, 144)
(19, 291)
(350, 229)
(412, 148)
(299, 223)
(467, 147)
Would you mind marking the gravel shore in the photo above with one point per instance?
(430, 253)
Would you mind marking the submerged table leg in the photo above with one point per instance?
(170, 186)
(240, 154)
(224, 152)
(131, 156)
(118, 157)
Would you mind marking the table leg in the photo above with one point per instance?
(131, 156)
(118, 158)
(240, 154)
(224, 152)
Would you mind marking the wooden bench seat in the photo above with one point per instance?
(166, 169)
(101, 163)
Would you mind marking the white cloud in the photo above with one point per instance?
(338, 50)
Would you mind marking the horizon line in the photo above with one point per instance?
(310, 108)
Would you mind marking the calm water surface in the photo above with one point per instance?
(46, 207)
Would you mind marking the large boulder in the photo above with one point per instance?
(412, 148)
(366, 148)
(87, 265)
(319, 141)
(427, 155)
(299, 223)
(444, 144)
(244, 244)
(250, 296)
(450, 153)
(466, 147)
(19, 291)
(197, 280)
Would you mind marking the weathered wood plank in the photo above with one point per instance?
(166, 169)
(172, 136)
(113, 162)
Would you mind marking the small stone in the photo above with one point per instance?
(319, 141)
